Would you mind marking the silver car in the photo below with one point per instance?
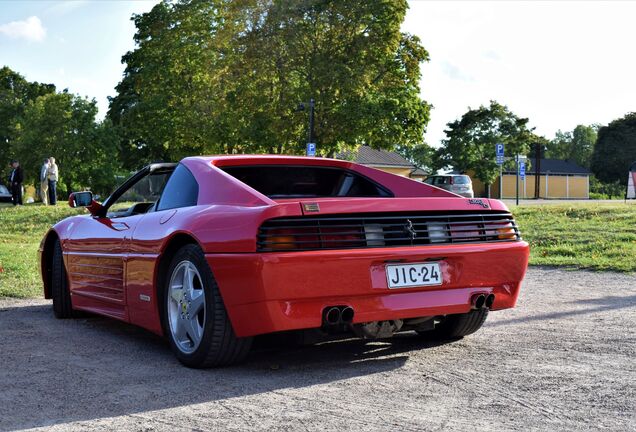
(456, 183)
(5, 195)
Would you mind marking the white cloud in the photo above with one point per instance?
(558, 63)
(30, 29)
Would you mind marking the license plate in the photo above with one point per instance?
(413, 275)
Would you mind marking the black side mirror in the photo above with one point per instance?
(80, 199)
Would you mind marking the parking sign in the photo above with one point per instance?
(522, 170)
(311, 149)
(499, 151)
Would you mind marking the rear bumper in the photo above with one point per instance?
(269, 292)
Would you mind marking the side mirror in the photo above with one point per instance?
(80, 199)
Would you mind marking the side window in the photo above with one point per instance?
(443, 180)
(182, 190)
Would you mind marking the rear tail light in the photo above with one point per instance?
(374, 234)
(507, 232)
(463, 232)
(281, 240)
(333, 238)
(437, 232)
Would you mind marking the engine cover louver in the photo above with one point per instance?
(385, 230)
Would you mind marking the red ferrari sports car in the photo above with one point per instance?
(213, 251)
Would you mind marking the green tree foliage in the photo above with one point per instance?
(576, 146)
(227, 77)
(422, 155)
(63, 125)
(615, 150)
(15, 94)
(471, 140)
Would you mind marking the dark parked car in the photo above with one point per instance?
(5, 195)
(456, 183)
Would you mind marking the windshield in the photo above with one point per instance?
(462, 179)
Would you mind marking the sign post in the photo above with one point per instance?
(499, 152)
(631, 183)
(521, 171)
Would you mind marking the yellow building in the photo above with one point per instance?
(558, 179)
(390, 162)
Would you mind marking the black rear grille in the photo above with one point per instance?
(385, 230)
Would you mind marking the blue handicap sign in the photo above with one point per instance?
(499, 148)
(522, 170)
(311, 149)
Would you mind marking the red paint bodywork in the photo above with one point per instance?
(113, 264)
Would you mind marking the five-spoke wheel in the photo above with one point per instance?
(193, 314)
(186, 306)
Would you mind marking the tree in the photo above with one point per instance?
(226, 77)
(422, 156)
(615, 150)
(63, 125)
(576, 146)
(471, 140)
(15, 94)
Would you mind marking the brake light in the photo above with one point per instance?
(297, 238)
(334, 238)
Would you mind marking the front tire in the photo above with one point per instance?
(458, 325)
(60, 293)
(194, 317)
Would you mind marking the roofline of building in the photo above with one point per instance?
(374, 165)
(550, 172)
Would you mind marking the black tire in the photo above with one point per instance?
(60, 293)
(458, 325)
(219, 345)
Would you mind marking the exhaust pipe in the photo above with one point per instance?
(347, 314)
(478, 301)
(332, 316)
(490, 300)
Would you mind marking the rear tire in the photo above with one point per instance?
(62, 307)
(200, 336)
(458, 325)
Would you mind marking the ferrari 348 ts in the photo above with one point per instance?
(213, 251)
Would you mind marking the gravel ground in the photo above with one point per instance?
(564, 359)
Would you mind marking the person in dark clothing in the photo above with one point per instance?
(15, 182)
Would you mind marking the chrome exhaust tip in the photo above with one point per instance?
(478, 301)
(332, 316)
(347, 314)
(490, 300)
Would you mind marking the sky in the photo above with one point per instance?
(557, 63)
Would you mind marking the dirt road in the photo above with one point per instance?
(565, 359)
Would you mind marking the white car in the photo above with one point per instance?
(456, 183)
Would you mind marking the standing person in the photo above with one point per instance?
(53, 178)
(15, 182)
(44, 181)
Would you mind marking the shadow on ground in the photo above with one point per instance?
(51, 368)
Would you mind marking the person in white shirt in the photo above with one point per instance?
(44, 181)
(53, 177)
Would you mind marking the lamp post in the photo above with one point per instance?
(311, 144)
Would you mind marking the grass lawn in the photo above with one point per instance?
(582, 235)
(21, 229)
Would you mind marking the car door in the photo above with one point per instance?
(179, 197)
(96, 254)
